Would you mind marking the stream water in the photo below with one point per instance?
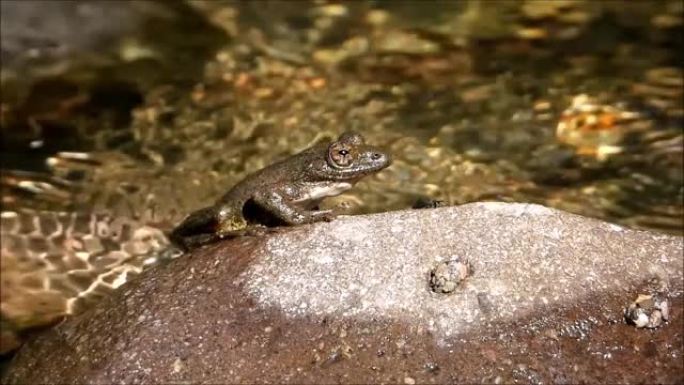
(149, 110)
(576, 105)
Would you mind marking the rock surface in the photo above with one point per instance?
(350, 301)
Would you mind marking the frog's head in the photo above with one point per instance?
(349, 158)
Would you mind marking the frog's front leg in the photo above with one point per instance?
(287, 212)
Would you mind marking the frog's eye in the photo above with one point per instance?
(340, 155)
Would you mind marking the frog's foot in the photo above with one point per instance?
(428, 203)
(323, 215)
(261, 230)
(258, 230)
(343, 207)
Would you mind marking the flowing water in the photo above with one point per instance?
(571, 104)
(576, 105)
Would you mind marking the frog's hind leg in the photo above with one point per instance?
(197, 228)
(195, 241)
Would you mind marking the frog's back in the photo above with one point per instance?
(271, 178)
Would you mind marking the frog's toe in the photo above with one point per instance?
(257, 230)
(344, 206)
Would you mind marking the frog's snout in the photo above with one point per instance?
(381, 158)
(378, 160)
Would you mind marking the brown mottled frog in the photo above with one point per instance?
(285, 193)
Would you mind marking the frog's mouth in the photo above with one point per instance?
(369, 163)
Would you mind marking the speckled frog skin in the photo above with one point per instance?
(285, 193)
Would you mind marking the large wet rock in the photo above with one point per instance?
(357, 300)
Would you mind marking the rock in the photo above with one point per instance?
(350, 301)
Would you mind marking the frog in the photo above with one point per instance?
(286, 193)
